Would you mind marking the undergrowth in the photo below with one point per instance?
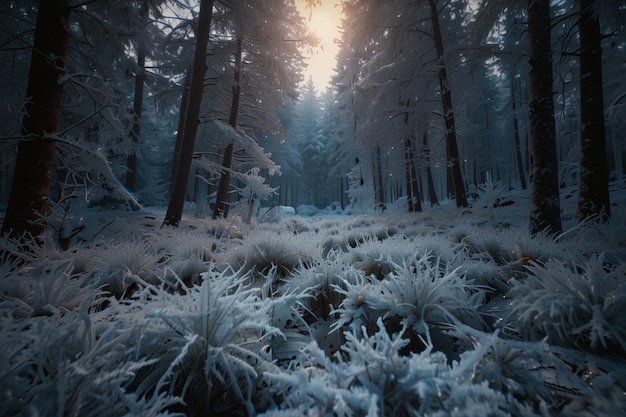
(366, 316)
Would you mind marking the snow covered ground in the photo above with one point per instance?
(446, 312)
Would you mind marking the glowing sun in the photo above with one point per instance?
(324, 21)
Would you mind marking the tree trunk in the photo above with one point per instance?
(222, 203)
(28, 204)
(381, 184)
(414, 176)
(452, 150)
(545, 214)
(593, 199)
(407, 168)
(131, 162)
(516, 138)
(432, 193)
(184, 104)
(179, 190)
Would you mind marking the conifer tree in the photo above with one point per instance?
(593, 199)
(179, 188)
(29, 198)
(545, 214)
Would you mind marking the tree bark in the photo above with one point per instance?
(222, 203)
(182, 116)
(131, 162)
(545, 214)
(593, 198)
(413, 190)
(28, 204)
(407, 173)
(452, 149)
(516, 138)
(179, 190)
(381, 184)
(432, 194)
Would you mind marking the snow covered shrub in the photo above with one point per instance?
(43, 290)
(489, 194)
(126, 267)
(372, 377)
(188, 254)
(209, 346)
(69, 363)
(540, 247)
(320, 282)
(488, 275)
(345, 240)
(548, 380)
(424, 293)
(317, 387)
(421, 383)
(364, 302)
(375, 363)
(486, 247)
(296, 225)
(229, 229)
(269, 251)
(379, 259)
(413, 291)
(436, 247)
(422, 290)
(571, 304)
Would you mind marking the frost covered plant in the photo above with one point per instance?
(187, 254)
(424, 297)
(489, 194)
(423, 290)
(571, 304)
(541, 247)
(318, 387)
(380, 259)
(345, 241)
(210, 346)
(43, 290)
(364, 302)
(419, 292)
(374, 362)
(69, 363)
(126, 267)
(486, 248)
(282, 254)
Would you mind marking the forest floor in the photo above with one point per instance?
(444, 312)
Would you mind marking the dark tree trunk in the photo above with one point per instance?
(131, 162)
(381, 184)
(545, 214)
(29, 198)
(593, 199)
(452, 150)
(184, 104)
(417, 194)
(414, 175)
(516, 138)
(179, 190)
(409, 180)
(222, 203)
(432, 194)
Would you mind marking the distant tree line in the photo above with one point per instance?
(169, 102)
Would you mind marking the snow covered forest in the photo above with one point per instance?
(192, 227)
